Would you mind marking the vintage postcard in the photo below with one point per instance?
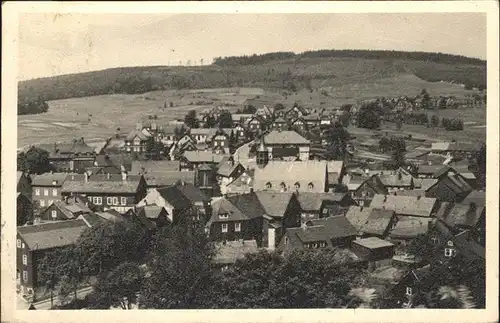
(250, 161)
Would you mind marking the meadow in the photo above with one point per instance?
(67, 119)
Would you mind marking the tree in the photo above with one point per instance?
(107, 244)
(398, 148)
(210, 121)
(368, 117)
(154, 149)
(434, 121)
(119, 287)
(180, 131)
(183, 245)
(225, 120)
(34, 161)
(336, 137)
(190, 119)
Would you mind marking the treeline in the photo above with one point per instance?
(31, 105)
(350, 53)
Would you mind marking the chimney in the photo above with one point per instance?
(124, 176)
(86, 176)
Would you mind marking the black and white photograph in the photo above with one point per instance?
(251, 159)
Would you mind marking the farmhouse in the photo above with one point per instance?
(329, 232)
(108, 191)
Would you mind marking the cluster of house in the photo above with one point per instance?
(271, 193)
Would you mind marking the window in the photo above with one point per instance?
(25, 275)
(223, 216)
(54, 214)
(286, 240)
(222, 143)
(123, 201)
(115, 201)
(297, 186)
(109, 200)
(450, 243)
(268, 185)
(449, 252)
(37, 192)
(322, 244)
(42, 202)
(19, 243)
(237, 227)
(23, 245)
(97, 200)
(283, 186)
(310, 186)
(315, 245)
(25, 259)
(46, 192)
(224, 227)
(54, 192)
(409, 291)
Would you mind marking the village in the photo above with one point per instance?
(273, 179)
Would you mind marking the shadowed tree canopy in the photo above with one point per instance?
(34, 161)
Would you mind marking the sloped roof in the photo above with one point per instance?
(311, 201)
(378, 221)
(174, 197)
(48, 179)
(478, 197)
(429, 169)
(373, 243)
(108, 216)
(460, 214)
(231, 251)
(395, 180)
(324, 229)
(376, 184)
(167, 178)
(135, 133)
(455, 183)
(157, 166)
(18, 176)
(192, 193)
(101, 184)
(52, 234)
(242, 184)
(425, 183)
(357, 215)
(227, 168)
(239, 207)
(335, 166)
(203, 157)
(274, 204)
(409, 227)
(150, 211)
(285, 137)
(405, 205)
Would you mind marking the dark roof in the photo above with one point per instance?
(175, 197)
(324, 229)
(430, 169)
(239, 207)
(405, 205)
(90, 219)
(460, 214)
(378, 221)
(310, 201)
(469, 248)
(192, 193)
(49, 179)
(227, 168)
(150, 211)
(441, 171)
(376, 184)
(455, 183)
(52, 234)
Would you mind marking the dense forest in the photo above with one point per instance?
(365, 54)
(281, 70)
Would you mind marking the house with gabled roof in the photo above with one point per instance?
(367, 189)
(461, 217)
(279, 124)
(255, 124)
(406, 205)
(241, 118)
(46, 188)
(410, 227)
(63, 210)
(373, 249)
(296, 111)
(192, 160)
(334, 231)
(319, 205)
(241, 185)
(450, 187)
(229, 252)
(108, 191)
(136, 141)
(34, 241)
(286, 145)
(477, 197)
(397, 182)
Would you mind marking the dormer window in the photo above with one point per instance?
(296, 186)
(310, 186)
(283, 186)
(223, 216)
(268, 185)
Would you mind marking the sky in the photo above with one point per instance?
(71, 43)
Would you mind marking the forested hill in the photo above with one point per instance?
(348, 53)
(282, 70)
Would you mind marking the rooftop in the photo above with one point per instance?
(52, 234)
(285, 137)
(231, 251)
(373, 243)
(405, 205)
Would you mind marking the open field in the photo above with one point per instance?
(69, 118)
